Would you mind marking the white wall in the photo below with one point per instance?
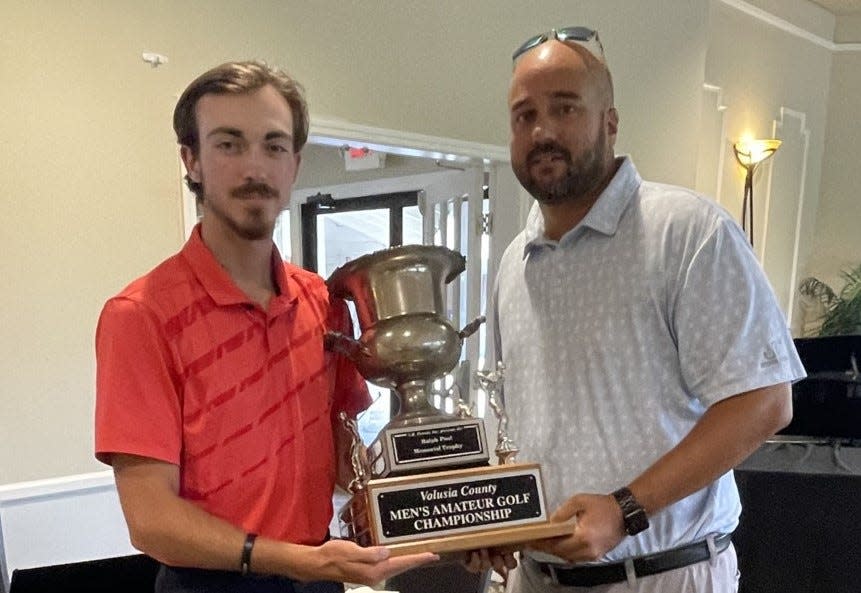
(773, 83)
(836, 236)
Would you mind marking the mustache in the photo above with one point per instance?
(254, 188)
(548, 147)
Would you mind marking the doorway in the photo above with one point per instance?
(337, 231)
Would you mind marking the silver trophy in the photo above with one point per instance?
(424, 483)
(406, 344)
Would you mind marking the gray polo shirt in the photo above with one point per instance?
(618, 337)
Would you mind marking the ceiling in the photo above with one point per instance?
(840, 7)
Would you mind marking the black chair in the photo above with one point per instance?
(827, 404)
(798, 532)
(126, 574)
(444, 577)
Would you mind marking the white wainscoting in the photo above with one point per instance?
(60, 520)
(784, 207)
(779, 189)
(712, 142)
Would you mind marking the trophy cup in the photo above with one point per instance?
(424, 484)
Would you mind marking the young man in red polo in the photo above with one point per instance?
(217, 405)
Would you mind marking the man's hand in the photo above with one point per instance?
(345, 561)
(597, 530)
(500, 560)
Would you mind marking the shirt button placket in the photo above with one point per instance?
(270, 324)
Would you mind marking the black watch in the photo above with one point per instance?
(633, 514)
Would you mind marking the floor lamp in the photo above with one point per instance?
(749, 154)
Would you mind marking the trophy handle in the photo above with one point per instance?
(342, 344)
(471, 327)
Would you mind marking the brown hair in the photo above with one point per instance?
(235, 78)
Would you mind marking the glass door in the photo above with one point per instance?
(337, 231)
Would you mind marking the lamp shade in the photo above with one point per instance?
(750, 153)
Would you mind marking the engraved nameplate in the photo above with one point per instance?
(449, 442)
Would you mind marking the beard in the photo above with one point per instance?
(580, 178)
(254, 225)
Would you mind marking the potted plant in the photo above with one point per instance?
(827, 313)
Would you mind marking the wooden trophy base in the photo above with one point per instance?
(450, 511)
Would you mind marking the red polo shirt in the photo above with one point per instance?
(192, 372)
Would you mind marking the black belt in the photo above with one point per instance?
(603, 574)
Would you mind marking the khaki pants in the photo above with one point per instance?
(717, 575)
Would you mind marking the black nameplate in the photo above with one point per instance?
(469, 504)
(424, 444)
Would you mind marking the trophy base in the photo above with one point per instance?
(448, 511)
(491, 539)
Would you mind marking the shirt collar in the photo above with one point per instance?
(603, 217)
(218, 283)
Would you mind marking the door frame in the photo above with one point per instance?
(394, 202)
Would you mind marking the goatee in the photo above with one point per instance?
(255, 225)
(581, 177)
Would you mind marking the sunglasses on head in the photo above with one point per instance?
(584, 36)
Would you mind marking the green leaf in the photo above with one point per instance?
(844, 314)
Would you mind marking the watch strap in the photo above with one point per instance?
(633, 514)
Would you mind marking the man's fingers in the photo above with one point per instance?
(473, 561)
(486, 562)
(499, 566)
(374, 573)
(567, 510)
(399, 564)
(478, 561)
(499, 560)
